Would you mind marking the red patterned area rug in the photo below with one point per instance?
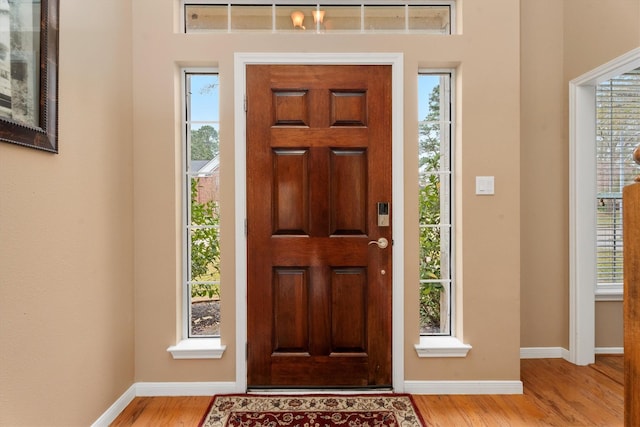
(248, 410)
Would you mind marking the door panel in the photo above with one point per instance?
(348, 310)
(318, 162)
(290, 192)
(291, 310)
(347, 202)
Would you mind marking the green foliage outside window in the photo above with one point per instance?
(205, 243)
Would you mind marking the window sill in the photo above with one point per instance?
(198, 348)
(441, 347)
(613, 292)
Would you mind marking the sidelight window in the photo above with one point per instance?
(201, 204)
(434, 203)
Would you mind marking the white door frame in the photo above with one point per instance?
(241, 60)
(582, 212)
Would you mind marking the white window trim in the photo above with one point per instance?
(609, 292)
(441, 346)
(198, 348)
(190, 348)
(583, 291)
(449, 345)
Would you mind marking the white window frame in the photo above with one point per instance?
(190, 347)
(450, 345)
(451, 3)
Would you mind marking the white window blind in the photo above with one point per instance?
(617, 135)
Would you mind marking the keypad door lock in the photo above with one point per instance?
(383, 214)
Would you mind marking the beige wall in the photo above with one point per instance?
(66, 260)
(488, 144)
(544, 168)
(577, 36)
(609, 331)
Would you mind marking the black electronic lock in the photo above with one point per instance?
(383, 214)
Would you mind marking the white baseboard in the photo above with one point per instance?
(114, 410)
(211, 388)
(561, 353)
(463, 387)
(544, 353)
(163, 389)
(415, 387)
(609, 350)
(186, 388)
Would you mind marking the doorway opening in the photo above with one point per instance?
(582, 193)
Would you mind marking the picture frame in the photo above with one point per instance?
(29, 73)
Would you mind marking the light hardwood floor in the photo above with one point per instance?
(556, 393)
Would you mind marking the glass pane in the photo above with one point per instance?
(205, 147)
(287, 16)
(428, 97)
(203, 126)
(341, 18)
(205, 196)
(384, 18)
(205, 254)
(204, 97)
(429, 200)
(434, 252)
(433, 150)
(433, 18)
(434, 309)
(204, 229)
(205, 310)
(251, 18)
(209, 17)
(431, 153)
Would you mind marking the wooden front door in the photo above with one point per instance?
(318, 168)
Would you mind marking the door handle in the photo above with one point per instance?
(381, 242)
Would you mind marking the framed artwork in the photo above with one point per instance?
(29, 73)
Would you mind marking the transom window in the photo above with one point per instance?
(435, 200)
(617, 135)
(337, 16)
(202, 204)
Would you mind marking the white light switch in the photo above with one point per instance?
(485, 185)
